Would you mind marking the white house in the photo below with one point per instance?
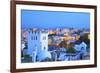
(38, 45)
(77, 47)
(81, 47)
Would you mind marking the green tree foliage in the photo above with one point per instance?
(85, 39)
(71, 49)
(63, 44)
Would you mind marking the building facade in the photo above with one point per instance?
(38, 45)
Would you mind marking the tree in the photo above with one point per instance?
(63, 44)
(84, 38)
(71, 49)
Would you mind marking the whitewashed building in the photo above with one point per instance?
(81, 47)
(38, 45)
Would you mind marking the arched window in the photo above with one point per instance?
(31, 37)
(35, 32)
(36, 37)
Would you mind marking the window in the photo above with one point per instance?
(36, 37)
(35, 32)
(44, 48)
(31, 37)
(44, 37)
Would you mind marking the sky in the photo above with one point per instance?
(54, 19)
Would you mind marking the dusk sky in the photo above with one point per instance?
(53, 19)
